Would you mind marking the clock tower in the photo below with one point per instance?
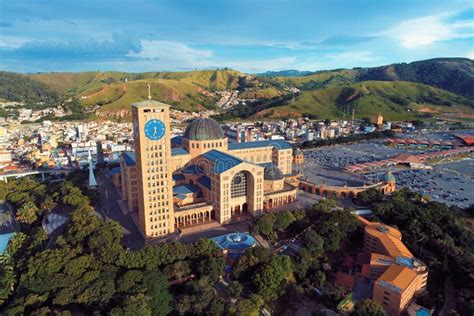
(151, 132)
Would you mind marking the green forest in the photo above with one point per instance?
(84, 267)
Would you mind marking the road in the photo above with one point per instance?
(109, 208)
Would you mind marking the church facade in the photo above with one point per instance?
(199, 177)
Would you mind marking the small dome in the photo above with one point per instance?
(389, 177)
(297, 151)
(203, 129)
(272, 173)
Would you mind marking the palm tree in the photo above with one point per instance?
(27, 213)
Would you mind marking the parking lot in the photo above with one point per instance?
(342, 155)
(451, 183)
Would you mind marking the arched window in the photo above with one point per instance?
(239, 185)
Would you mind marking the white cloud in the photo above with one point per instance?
(12, 41)
(173, 53)
(427, 30)
(261, 65)
(470, 55)
(353, 56)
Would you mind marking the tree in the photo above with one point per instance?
(243, 268)
(332, 236)
(178, 270)
(213, 267)
(318, 278)
(27, 213)
(264, 226)
(235, 289)
(283, 220)
(158, 293)
(269, 278)
(369, 307)
(313, 241)
(247, 307)
(133, 305)
(216, 307)
(131, 281)
(48, 204)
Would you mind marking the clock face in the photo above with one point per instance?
(154, 129)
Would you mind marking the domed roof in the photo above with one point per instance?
(203, 129)
(389, 177)
(272, 173)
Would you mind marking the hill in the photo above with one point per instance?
(21, 88)
(283, 73)
(451, 74)
(117, 97)
(436, 85)
(396, 100)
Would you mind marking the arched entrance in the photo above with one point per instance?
(242, 194)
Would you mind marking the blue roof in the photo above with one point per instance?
(185, 189)
(403, 261)
(177, 140)
(181, 196)
(178, 151)
(4, 239)
(205, 181)
(130, 158)
(422, 312)
(115, 170)
(267, 164)
(278, 143)
(222, 161)
(234, 241)
(193, 169)
(178, 177)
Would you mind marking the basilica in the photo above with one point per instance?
(174, 182)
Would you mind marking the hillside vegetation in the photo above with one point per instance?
(397, 90)
(119, 96)
(20, 88)
(451, 74)
(393, 99)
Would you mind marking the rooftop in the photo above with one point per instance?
(150, 103)
(130, 158)
(222, 161)
(185, 189)
(234, 241)
(205, 181)
(178, 151)
(280, 144)
(178, 177)
(272, 173)
(397, 278)
(203, 129)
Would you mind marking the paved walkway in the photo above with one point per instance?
(110, 208)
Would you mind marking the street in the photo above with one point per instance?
(109, 208)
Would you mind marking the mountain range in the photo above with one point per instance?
(398, 91)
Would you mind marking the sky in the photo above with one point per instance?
(247, 35)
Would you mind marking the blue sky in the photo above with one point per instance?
(248, 35)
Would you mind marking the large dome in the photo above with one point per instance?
(203, 129)
(272, 173)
